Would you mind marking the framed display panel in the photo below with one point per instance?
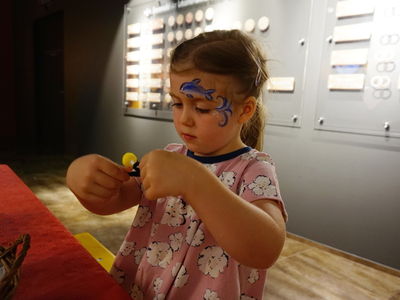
(154, 28)
(359, 80)
(286, 45)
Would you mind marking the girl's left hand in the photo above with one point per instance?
(165, 173)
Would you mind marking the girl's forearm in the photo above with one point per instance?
(249, 234)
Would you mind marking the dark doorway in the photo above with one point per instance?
(49, 84)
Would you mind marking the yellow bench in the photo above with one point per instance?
(96, 249)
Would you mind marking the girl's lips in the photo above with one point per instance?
(188, 137)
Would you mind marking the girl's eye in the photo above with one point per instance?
(202, 110)
(176, 105)
(179, 105)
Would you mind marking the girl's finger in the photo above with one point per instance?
(149, 194)
(112, 169)
(95, 199)
(143, 171)
(145, 184)
(102, 192)
(142, 162)
(107, 181)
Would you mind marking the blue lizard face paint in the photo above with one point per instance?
(193, 87)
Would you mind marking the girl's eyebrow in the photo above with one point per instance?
(197, 99)
(173, 95)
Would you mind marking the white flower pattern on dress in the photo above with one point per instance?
(143, 215)
(212, 261)
(175, 269)
(176, 240)
(154, 228)
(157, 283)
(191, 230)
(228, 178)
(265, 158)
(198, 238)
(190, 212)
(247, 156)
(127, 248)
(159, 254)
(210, 295)
(194, 235)
(136, 293)
(175, 212)
(139, 254)
(260, 156)
(262, 186)
(242, 188)
(253, 276)
(181, 278)
(211, 167)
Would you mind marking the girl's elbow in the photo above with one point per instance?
(270, 255)
(261, 263)
(267, 261)
(263, 259)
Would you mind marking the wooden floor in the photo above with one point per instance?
(305, 269)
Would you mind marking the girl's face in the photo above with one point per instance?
(204, 113)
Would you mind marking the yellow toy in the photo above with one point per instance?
(130, 160)
(96, 249)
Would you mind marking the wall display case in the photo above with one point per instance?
(359, 81)
(153, 28)
(286, 44)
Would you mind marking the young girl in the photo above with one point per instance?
(210, 219)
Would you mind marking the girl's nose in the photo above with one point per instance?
(187, 116)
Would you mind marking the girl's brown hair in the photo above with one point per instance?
(233, 53)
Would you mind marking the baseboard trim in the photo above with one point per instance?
(347, 255)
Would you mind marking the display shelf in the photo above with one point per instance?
(359, 76)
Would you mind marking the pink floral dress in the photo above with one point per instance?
(168, 252)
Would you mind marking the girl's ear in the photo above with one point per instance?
(247, 109)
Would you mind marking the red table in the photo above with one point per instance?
(56, 266)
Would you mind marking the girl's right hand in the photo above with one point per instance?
(94, 178)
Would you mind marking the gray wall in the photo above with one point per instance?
(340, 189)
